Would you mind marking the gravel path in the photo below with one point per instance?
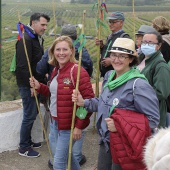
(12, 161)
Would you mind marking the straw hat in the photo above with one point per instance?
(124, 45)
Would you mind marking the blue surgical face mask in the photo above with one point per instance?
(148, 50)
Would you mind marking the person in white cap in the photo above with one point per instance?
(128, 110)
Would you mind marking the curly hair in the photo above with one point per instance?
(161, 24)
(135, 61)
(52, 59)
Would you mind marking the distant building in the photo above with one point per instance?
(65, 0)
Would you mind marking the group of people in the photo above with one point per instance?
(131, 106)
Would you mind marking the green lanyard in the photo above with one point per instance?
(107, 49)
(111, 110)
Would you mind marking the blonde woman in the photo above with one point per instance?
(62, 83)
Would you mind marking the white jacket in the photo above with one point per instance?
(157, 151)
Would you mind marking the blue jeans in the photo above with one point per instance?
(59, 143)
(77, 148)
(29, 115)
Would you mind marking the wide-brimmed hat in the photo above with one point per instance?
(145, 29)
(124, 45)
(116, 16)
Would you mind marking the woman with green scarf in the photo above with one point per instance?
(123, 88)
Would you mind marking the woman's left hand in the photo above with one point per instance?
(77, 134)
(111, 125)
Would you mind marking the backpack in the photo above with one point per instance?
(152, 73)
(86, 61)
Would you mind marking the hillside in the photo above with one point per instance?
(64, 13)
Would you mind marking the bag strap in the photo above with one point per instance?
(71, 74)
(123, 35)
(134, 86)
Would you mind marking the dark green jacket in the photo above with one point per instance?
(160, 82)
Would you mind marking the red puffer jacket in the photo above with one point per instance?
(66, 77)
(127, 143)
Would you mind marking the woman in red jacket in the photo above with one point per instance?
(63, 81)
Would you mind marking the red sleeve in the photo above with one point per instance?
(44, 90)
(133, 128)
(86, 90)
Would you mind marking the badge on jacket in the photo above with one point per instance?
(115, 101)
(66, 81)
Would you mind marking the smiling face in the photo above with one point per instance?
(62, 53)
(120, 62)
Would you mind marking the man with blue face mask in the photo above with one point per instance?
(153, 59)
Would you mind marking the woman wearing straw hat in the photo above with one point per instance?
(63, 81)
(126, 97)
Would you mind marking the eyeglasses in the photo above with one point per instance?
(151, 44)
(120, 57)
(113, 22)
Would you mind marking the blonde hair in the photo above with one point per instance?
(161, 24)
(52, 59)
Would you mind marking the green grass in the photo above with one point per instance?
(65, 13)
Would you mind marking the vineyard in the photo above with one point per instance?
(65, 13)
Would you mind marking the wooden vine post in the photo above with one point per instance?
(99, 11)
(74, 107)
(133, 9)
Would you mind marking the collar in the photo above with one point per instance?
(153, 56)
(117, 32)
(31, 28)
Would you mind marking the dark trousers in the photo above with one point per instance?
(29, 115)
(105, 160)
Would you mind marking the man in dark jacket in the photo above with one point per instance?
(34, 45)
(116, 20)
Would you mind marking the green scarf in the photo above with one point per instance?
(112, 84)
(132, 73)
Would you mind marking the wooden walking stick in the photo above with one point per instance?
(98, 64)
(36, 99)
(74, 107)
(133, 8)
(55, 23)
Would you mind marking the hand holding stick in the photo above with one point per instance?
(77, 97)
